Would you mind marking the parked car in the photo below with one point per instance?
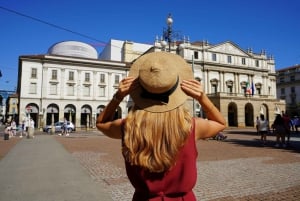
(58, 127)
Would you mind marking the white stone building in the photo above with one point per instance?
(68, 82)
(242, 84)
(72, 82)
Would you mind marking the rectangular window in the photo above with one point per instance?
(244, 61)
(102, 78)
(53, 89)
(71, 76)
(196, 55)
(117, 79)
(214, 88)
(214, 57)
(70, 90)
(86, 90)
(87, 77)
(229, 89)
(293, 89)
(257, 63)
(101, 91)
(281, 79)
(33, 73)
(32, 88)
(54, 75)
(229, 59)
(258, 91)
(293, 100)
(282, 91)
(292, 78)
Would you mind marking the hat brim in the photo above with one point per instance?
(177, 98)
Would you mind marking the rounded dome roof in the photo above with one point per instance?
(74, 49)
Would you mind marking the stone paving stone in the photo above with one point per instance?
(233, 170)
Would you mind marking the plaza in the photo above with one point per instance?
(239, 168)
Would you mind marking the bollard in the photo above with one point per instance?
(30, 133)
(6, 136)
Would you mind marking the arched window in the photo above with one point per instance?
(229, 86)
(214, 85)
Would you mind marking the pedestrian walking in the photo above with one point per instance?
(257, 125)
(159, 134)
(279, 130)
(263, 126)
(287, 125)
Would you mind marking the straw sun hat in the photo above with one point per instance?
(160, 75)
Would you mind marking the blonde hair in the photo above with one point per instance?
(153, 140)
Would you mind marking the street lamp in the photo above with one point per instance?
(87, 119)
(52, 121)
(167, 34)
(71, 111)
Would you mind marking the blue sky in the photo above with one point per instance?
(272, 25)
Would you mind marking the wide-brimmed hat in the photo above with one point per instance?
(160, 74)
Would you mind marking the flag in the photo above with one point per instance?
(252, 88)
(248, 88)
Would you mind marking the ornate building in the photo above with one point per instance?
(68, 82)
(72, 82)
(241, 83)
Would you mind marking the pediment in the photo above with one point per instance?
(228, 48)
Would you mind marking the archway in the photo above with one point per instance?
(32, 111)
(86, 115)
(52, 114)
(264, 109)
(249, 116)
(70, 113)
(232, 114)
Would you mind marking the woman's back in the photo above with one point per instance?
(177, 182)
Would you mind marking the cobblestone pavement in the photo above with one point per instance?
(239, 168)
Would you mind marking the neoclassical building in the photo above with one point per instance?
(288, 88)
(72, 81)
(68, 82)
(241, 83)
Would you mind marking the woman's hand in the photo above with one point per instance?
(192, 88)
(126, 85)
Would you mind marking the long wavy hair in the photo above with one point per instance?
(153, 140)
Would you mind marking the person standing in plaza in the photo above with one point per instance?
(159, 134)
(30, 133)
(263, 127)
(279, 130)
(13, 127)
(257, 125)
(287, 125)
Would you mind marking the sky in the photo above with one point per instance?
(31, 27)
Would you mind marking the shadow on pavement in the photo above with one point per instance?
(244, 138)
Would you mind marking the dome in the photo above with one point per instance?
(74, 49)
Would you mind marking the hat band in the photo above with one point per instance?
(163, 97)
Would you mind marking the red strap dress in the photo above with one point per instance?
(173, 185)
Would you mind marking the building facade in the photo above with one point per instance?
(4, 96)
(67, 83)
(288, 86)
(71, 81)
(241, 83)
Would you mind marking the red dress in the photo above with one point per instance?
(173, 185)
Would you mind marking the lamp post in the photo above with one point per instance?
(87, 119)
(52, 121)
(71, 111)
(167, 34)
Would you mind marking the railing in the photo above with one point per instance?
(228, 94)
